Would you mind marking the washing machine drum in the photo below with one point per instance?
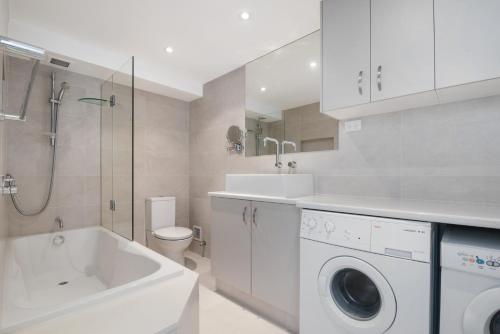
(482, 315)
(356, 295)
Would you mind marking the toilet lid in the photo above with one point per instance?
(173, 233)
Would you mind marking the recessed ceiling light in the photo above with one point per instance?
(313, 64)
(245, 16)
(263, 89)
(169, 49)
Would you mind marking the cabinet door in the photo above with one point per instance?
(275, 255)
(231, 237)
(402, 47)
(467, 41)
(345, 38)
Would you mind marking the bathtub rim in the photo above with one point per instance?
(167, 270)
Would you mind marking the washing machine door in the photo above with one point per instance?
(482, 315)
(356, 296)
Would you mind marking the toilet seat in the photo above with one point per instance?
(173, 233)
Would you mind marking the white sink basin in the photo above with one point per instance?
(277, 185)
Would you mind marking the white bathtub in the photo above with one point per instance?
(44, 278)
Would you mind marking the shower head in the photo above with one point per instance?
(64, 87)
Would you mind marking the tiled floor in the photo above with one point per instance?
(219, 315)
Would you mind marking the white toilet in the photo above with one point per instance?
(161, 233)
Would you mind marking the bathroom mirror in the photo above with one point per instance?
(283, 100)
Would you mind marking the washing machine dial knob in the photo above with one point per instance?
(311, 223)
(329, 227)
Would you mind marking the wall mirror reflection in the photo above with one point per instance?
(283, 100)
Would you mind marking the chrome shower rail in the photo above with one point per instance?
(25, 50)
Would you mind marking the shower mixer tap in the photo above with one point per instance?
(59, 222)
(8, 185)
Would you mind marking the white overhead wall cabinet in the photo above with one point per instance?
(385, 55)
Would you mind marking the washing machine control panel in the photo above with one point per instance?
(476, 251)
(393, 237)
(471, 259)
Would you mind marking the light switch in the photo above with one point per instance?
(351, 126)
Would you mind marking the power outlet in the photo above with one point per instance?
(351, 126)
(197, 233)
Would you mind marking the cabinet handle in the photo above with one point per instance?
(360, 83)
(253, 216)
(245, 215)
(379, 78)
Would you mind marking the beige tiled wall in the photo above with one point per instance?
(446, 152)
(77, 182)
(161, 152)
(222, 105)
(310, 129)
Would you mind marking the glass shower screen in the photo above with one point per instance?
(117, 170)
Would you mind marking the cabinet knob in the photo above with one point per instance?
(245, 215)
(360, 83)
(379, 78)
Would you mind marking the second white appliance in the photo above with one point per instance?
(470, 281)
(364, 275)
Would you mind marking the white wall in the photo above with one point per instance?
(445, 152)
(4, 16)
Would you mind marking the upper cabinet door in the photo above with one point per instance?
(402, 47)
(345, 63)
(467, 41)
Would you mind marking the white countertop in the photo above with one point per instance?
(153, 309)
(469, 214)
(249, 197)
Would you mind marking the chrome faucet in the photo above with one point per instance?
(278, 156)
(285, 142)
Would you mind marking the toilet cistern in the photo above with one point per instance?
(278, 163)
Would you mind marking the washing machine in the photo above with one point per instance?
(470, 281)
(364, 275)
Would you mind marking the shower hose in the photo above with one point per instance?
(16, 202)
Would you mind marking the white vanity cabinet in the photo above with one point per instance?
(275, 255)
(255, 249)
(231, 242)
(467, 41)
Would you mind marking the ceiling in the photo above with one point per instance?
(284, 88)
(208, 37)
